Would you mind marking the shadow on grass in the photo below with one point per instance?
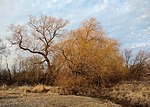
(116, 101)
(8, 97)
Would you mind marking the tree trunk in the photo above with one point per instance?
(49, 73)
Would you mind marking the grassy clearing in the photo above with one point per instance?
(29, 96)
(134, 94)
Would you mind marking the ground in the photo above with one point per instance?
(17, 98)
(125, 94)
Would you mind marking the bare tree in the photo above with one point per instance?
(3, 51)
(128, 58)
(2, 48)
(38, 36)
(137, 64)
(5, 74)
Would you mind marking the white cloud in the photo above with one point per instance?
(117, 16)
(139, 45)
(126, 20)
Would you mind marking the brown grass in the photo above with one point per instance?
(133, 93)
(17, 97)
(43, 89)
(136, 94)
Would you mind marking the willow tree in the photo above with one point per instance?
(89, 54)
(38, 36)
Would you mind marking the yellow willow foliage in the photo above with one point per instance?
(88, 51)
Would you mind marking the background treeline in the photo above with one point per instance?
(80, 59)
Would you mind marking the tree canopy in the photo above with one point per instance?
(88, 52)
(38, 35)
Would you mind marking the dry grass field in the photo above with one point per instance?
(126, 94)
(135, 94)
(42, 96)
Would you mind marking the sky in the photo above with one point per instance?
(125, 20)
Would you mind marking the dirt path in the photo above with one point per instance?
(17, 99)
